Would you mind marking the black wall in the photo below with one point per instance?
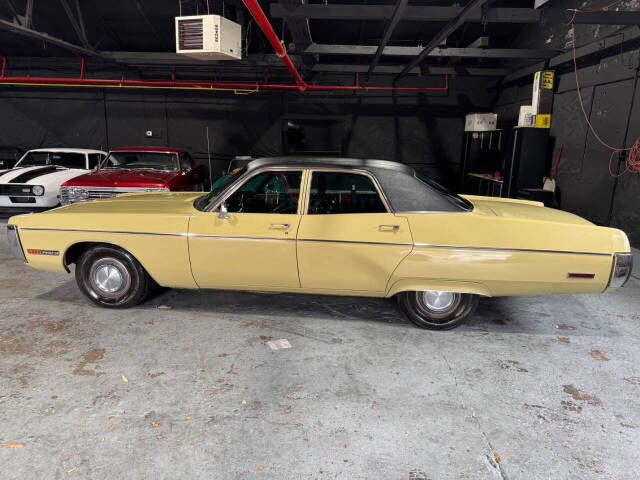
(424, 130)
(611, 94)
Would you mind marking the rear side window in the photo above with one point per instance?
(341, 192)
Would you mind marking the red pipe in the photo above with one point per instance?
(62, 81)
(263, 22)
(81, 63)
(4, 65)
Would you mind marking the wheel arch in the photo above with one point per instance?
(417, 284)
(74, 251)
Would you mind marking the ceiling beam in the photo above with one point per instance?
(27, 32)
(391, 26)
(28, 14)
(299, 29)
(444, 14)
(454, 52)
(459, 70)
(451, 26)
(411, 13)
(74, 23)
(479, 42)
(13, 10)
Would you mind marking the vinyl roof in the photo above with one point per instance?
(329, 162)
(398, 182)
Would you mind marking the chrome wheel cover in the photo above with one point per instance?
(109, 278)
(437, 305)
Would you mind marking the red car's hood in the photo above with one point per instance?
(123, 178)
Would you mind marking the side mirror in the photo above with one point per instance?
(223, 212)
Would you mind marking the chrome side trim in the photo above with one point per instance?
(106, 231)
(424, 245)
(317, 240)
(500, 249)
(238, 237)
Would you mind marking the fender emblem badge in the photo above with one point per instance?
(36, 251)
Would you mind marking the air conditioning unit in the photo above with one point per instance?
(210, 37)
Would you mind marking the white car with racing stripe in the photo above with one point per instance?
(34, 182)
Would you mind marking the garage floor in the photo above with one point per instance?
(531, 388)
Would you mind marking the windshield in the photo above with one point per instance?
(151, 160)
(61, 159)
(219, 186)
(452, 197)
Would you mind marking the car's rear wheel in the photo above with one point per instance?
(111, 277)
(437, 310)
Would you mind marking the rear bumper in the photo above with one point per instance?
(621, 269)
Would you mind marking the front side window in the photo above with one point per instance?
(267, 192)
(148, 160)
(60, 159)
(338, 192)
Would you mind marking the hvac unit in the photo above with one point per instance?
(208, 37)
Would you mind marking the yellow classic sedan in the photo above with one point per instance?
(326, 226)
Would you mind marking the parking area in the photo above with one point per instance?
(188, 385)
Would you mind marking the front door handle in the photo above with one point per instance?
(279, 226)
(388, 228)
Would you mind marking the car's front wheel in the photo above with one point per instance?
(111, 277)
(437, 310)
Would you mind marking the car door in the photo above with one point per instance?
(253, 244)
(348, 238)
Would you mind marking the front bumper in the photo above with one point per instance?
(48, 200)
(15, 246)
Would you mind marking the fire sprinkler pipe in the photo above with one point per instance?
(263, 22)
(238, 87)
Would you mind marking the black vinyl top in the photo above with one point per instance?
(403, 190)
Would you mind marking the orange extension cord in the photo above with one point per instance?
(632, 161)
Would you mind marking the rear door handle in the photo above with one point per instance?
(388, 228)
(279, 226)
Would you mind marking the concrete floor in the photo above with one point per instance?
(550, 386)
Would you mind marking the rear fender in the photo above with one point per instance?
(417, 284)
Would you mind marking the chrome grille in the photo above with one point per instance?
(97, 194)
(190, 36)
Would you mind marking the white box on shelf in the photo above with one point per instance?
(480, 122)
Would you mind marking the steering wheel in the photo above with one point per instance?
(285, 206)
(324, 206)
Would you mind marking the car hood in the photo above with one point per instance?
(523, 210)
(123, 178)
(136, 203)
(43, 175)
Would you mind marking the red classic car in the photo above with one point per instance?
(137, 169)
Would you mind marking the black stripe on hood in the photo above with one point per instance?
(31, 174)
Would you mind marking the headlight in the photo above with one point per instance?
(73, 194)
(37, 190)
(621, 271)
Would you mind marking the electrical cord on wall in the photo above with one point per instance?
(632, 160)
